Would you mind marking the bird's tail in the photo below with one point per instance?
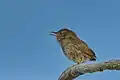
(92, 55)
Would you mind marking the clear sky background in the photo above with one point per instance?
(28, 52)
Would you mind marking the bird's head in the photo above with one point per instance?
(64, 34)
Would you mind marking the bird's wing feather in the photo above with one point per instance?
(85, 50)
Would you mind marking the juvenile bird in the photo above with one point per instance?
(73, 47)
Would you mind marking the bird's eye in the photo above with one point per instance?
(60, 33)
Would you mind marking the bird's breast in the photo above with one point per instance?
(69, 49)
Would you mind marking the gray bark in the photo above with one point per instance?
(79, 69)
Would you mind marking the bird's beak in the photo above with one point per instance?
(53, 33)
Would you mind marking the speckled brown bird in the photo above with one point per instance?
(73, 47)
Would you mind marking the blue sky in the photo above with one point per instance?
(28, 52)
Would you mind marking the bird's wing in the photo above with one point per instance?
(83, 47)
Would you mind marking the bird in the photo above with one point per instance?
(73, 47)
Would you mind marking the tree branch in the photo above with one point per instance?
(79, 69)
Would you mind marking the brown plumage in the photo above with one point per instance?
(74, 48)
